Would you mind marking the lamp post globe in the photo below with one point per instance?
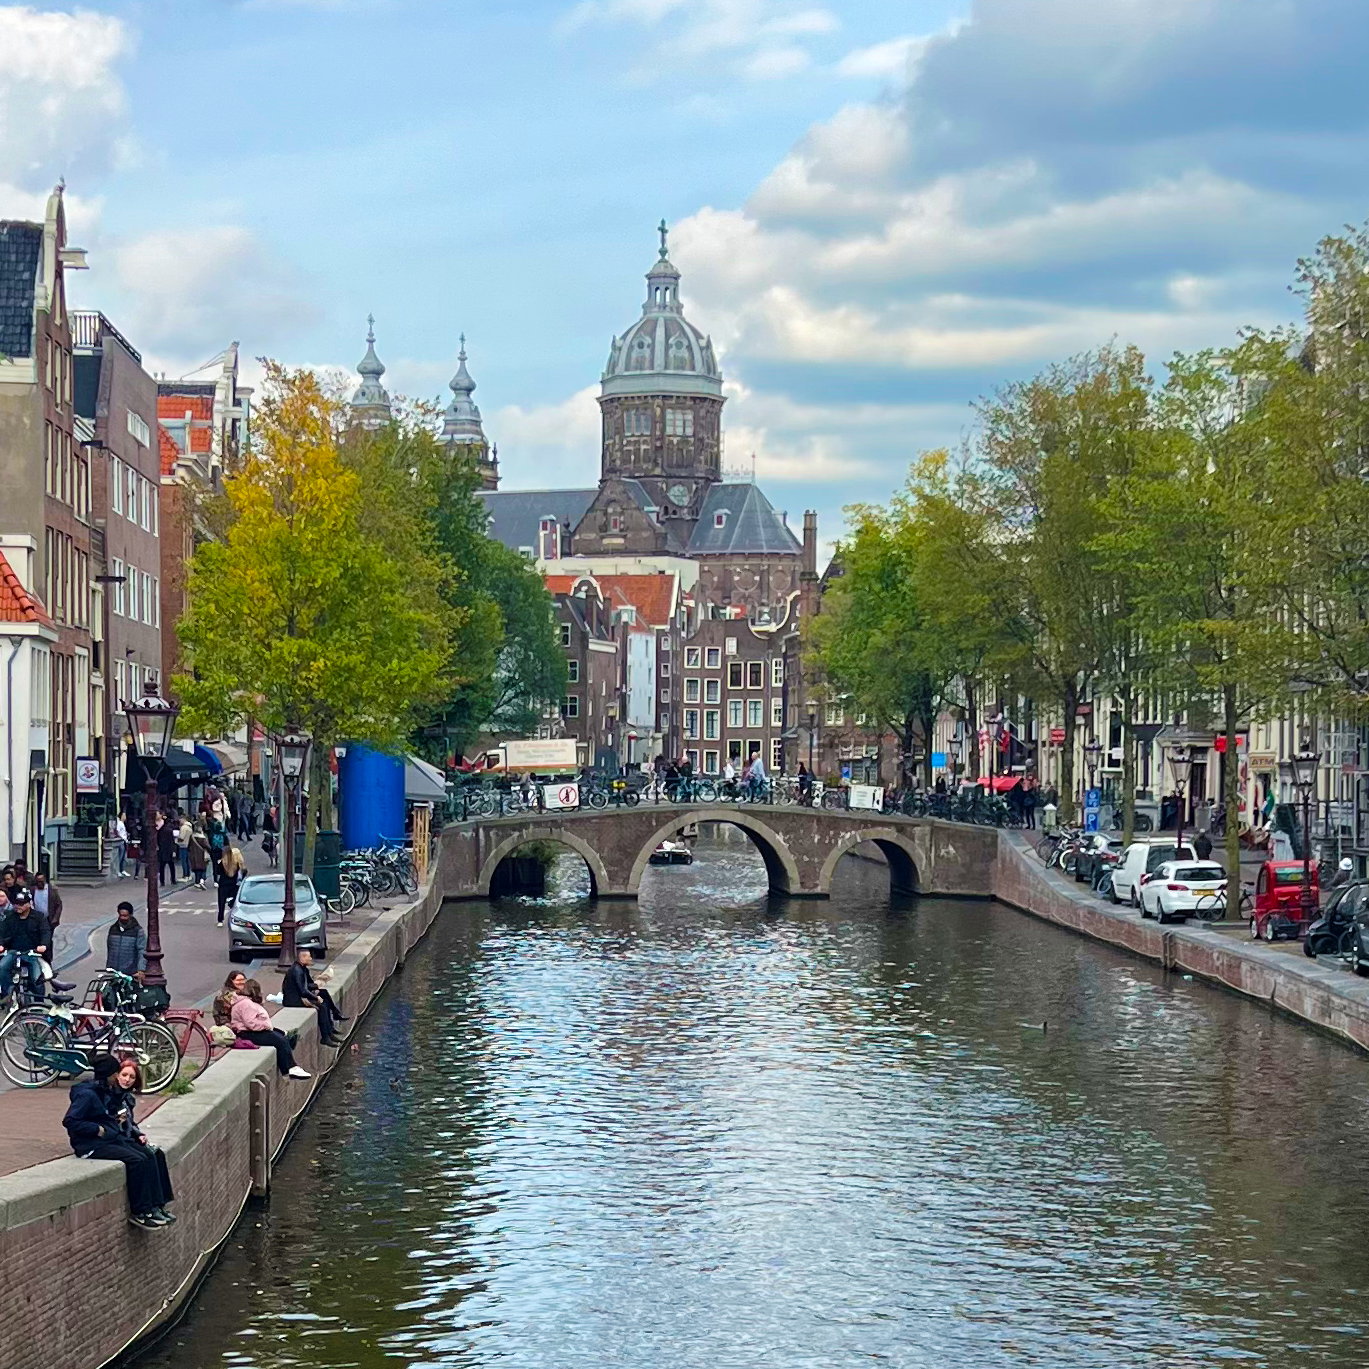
(1181, 763)
(292, 755)
(151, 725)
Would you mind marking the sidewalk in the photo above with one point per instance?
(196, 964)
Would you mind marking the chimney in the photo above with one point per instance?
(20, 550)
(810, 542)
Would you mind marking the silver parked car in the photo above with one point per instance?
(254, 920)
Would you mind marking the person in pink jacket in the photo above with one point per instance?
(250, 1019)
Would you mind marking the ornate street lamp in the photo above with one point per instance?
(1304, 766)
(151, 722)
(1092, 753)
(1181, 762)
(292, 752)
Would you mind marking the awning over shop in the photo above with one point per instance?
(423, 783)
(1001, 783)
(180, 768)
(209, 758)
(232, 757)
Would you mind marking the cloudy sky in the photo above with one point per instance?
(882, 208)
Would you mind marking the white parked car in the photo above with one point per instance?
(1143, 858)
(1174, 889)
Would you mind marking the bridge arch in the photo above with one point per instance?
(780, 866)
(898, 848)
(598, 874)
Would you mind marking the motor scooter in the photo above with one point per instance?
(1334, 932)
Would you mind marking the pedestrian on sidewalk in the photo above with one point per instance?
(198, 853)
(166, 849)
(229, 876)
(250, 1019)
(47, 899)
(99, 1122)
(183, 834)
(118, 834)
(1203, 846)
(126, 944)
(299, 990)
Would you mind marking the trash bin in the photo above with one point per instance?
(1048, 818)
(328, 864)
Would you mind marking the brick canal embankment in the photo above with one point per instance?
(1325, 994)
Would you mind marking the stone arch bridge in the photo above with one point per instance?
(800, 847)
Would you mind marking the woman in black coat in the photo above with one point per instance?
(166, 849)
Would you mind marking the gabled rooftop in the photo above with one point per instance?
(740, 519)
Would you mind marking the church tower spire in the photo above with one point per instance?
(462, 426)
(370, 404)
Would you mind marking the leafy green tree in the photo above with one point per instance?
(302, 614)
(1050, 449)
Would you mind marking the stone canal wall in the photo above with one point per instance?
(1324, 994)
(78, 1284)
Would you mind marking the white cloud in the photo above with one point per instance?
(757, 39)
(548, 445)
(895, 58)
(188, 293)
(62, 105)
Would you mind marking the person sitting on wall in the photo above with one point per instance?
(235, 984)
(250, 1019)
(300, 990)
(100, 1124)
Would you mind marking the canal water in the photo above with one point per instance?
(712, 1131)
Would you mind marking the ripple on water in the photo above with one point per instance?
(716, 1131)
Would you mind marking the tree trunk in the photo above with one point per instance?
(312, 808)
(1128, 765)
(1065, 816)
(1231, 797)
(972, 718)
(928, 729)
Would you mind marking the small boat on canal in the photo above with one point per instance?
(672, 853)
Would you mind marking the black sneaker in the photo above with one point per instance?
(145, 1220)
(332, 1041)
(168, 1218)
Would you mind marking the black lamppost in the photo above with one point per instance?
(812, 729)
(292, 750)
(1305, 782)
(1092, 754)
(151, 721)
(1181, 762)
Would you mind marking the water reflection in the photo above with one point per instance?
(716, 1130)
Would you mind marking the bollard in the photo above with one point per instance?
(259, 1137)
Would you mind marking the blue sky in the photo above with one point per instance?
(882, 210)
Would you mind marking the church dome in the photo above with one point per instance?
(662, 353)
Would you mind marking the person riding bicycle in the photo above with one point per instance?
(24, 934)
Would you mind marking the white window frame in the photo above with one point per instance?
(729, 646)
(713, 658)
(777, 672)
(777, 753)
(692, 658)
(710, 762)
(572, 671)
(713, 691)
(138, 429)
(147, 598)
(755, 713)
(565, 634)
(691, 724)
(833, 715)
(776, 712)
(570, 706)
(116, 568)
(735, 712)
(116, 476)
(712, 728)
(692, 691)
(755, 674)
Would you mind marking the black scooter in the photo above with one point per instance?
(1334, 933)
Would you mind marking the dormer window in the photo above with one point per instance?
(615, 522)
(549, 539)
(720, 520)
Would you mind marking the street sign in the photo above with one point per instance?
(560, 796)
(866, 796)
(1057, 736)
(87, 775)
(938, 760)
(1091, 820)
(1093, 799)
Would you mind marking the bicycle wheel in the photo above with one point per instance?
(158, 1051)
(195, 1047)
(1044, 847)
(27, 1033)
(596, 798)
(631, 798)
(1210, 907)
(346, 899)
(1104, 885)
(383, 881)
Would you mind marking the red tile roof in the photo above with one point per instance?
(170, 452)
(560, 584)
(653, 596)
(201, 411)
(17, 605)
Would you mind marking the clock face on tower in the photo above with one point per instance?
(679, 494)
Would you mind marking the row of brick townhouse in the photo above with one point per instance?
(96, 456)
